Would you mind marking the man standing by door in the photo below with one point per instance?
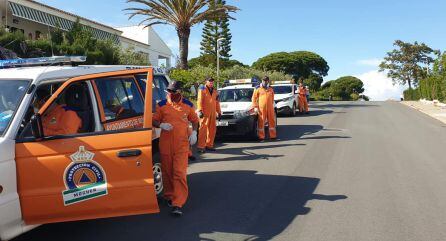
(208, 112)
(263, 104)
(173, 116)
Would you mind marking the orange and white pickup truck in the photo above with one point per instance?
(102, 170)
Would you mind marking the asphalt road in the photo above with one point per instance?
(348, 171)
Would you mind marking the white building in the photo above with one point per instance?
(158, 49)
(36, 20)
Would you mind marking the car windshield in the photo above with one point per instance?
(11, 92)
(282, 89)
(236, 95)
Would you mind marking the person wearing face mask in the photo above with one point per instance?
(173, 117)
(263, 104)
(208, 111)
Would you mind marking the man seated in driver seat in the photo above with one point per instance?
(62, 119)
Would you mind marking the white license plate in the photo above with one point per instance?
(222, 123)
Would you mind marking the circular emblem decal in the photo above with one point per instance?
(82, 174)
(84, 178)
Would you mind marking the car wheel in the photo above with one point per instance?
(157, 175)
(254, 133)
(293, 110)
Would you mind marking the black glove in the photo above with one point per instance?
(200, 114)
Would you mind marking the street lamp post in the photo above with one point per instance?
(218, 61)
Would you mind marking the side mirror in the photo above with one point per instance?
(36, 126)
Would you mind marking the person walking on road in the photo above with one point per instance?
(208, 112)
(173, 116)
(263, 104)
(303, 104)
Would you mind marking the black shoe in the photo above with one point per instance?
(192, 158)
(168, 202)
(176, 211)
(200, 150)
(210, 149)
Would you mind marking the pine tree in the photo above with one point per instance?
(213, 30)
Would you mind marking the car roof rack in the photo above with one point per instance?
(42, 61)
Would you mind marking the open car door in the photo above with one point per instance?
(89, 175)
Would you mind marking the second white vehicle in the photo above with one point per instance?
(286, 97)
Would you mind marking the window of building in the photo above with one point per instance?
(37, 35)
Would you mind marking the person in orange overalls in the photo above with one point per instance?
(303, 104)
(58, 119)
(173, 116)
(263, 104)
(208, 111)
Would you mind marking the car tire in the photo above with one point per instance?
(157, 174)
(293, 110)
(254, 133)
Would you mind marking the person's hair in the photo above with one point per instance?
(301, 80)
(266, 78)
(209, 79)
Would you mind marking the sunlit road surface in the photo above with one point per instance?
(347, 171)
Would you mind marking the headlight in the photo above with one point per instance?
(243, 113)
(287, 99)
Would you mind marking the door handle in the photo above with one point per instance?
(129, 153)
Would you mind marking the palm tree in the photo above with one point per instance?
(182, 14)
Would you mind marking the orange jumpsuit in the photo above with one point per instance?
(263, 99)
(174, 147)
(303, 104)
(61, 121)
(207, 103)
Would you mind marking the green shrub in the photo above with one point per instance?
(411, 94)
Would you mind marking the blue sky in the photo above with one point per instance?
(351, 35)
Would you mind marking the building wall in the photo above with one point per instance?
(158, 51)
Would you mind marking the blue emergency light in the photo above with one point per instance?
(10, 63)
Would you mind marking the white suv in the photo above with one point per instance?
(286, 97)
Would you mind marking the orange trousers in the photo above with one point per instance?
(206, 133)
(174, 170)
(303, 104)
(270, 116)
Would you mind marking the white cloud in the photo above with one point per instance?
(379, 87)
(369, 62)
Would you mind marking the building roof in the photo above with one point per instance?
(74, 15)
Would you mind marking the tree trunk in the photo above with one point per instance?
(410, 84)
(183, 37)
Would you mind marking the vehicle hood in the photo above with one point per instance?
(234, 106)
(282, 96)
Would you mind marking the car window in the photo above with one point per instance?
(282, 89)
(159, 87)
(120, 98)
(11, 93)
(236, 95)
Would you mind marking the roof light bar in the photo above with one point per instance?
(283, 82)
(10, 63)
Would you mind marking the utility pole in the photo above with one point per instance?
(218, 61)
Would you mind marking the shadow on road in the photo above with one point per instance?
(323, 105)
(312, 113)
(226, 205)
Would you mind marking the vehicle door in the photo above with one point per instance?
(94, 174)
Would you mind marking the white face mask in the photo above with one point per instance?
(265, 84)
(36, 110)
